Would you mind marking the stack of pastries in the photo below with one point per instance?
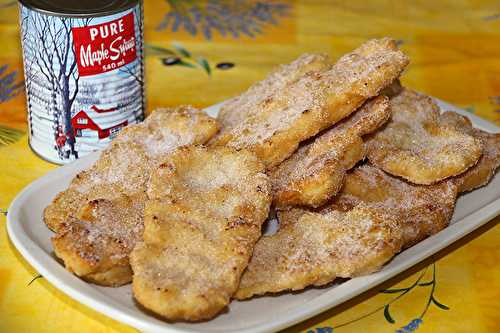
(355, 167)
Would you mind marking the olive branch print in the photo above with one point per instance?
(180, 56)
(414, 323)
(9, 135)
(225, 17)
(38, 276)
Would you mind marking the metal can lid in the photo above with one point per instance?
(79, 8)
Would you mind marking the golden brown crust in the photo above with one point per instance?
(120, 173)
(184, 220)
(123, 167)
(96, 243)
(370, 220)
(315, 172)
(423, 210)
(202, 219)
(301, 108)
(235, 110)
(416, 146)
(315, 248)
(481, 173)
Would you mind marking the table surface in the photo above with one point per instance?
(455, 55)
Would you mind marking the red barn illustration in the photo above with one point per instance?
(104, 122)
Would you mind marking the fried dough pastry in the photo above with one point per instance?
(315, 172)
(125, 165)
(238, 108)
(88, 243)
(275, 121)
(422, 210)
(415, 145)
(481, 173)
(203, 217)
(96, 243)
(370, 220)
(316, 248)
(100, 182)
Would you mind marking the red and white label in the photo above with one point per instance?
(105, 47)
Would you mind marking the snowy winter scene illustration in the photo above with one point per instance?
(85, 127)
(83, 79)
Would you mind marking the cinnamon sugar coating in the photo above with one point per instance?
(118, 178)
(312, 249)
(315, 172)
(373, 217)
(423, 210)
(203, 217)
(481, 173)
(417, 146)
(275, 118)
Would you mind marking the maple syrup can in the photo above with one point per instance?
(83, 66)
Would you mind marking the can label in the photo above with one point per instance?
(84, 80)
(105, 47)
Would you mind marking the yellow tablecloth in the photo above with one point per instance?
(455, 51)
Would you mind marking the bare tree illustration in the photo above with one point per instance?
(131, 71)
(28, 72)
(52, 49)
(138, 77)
